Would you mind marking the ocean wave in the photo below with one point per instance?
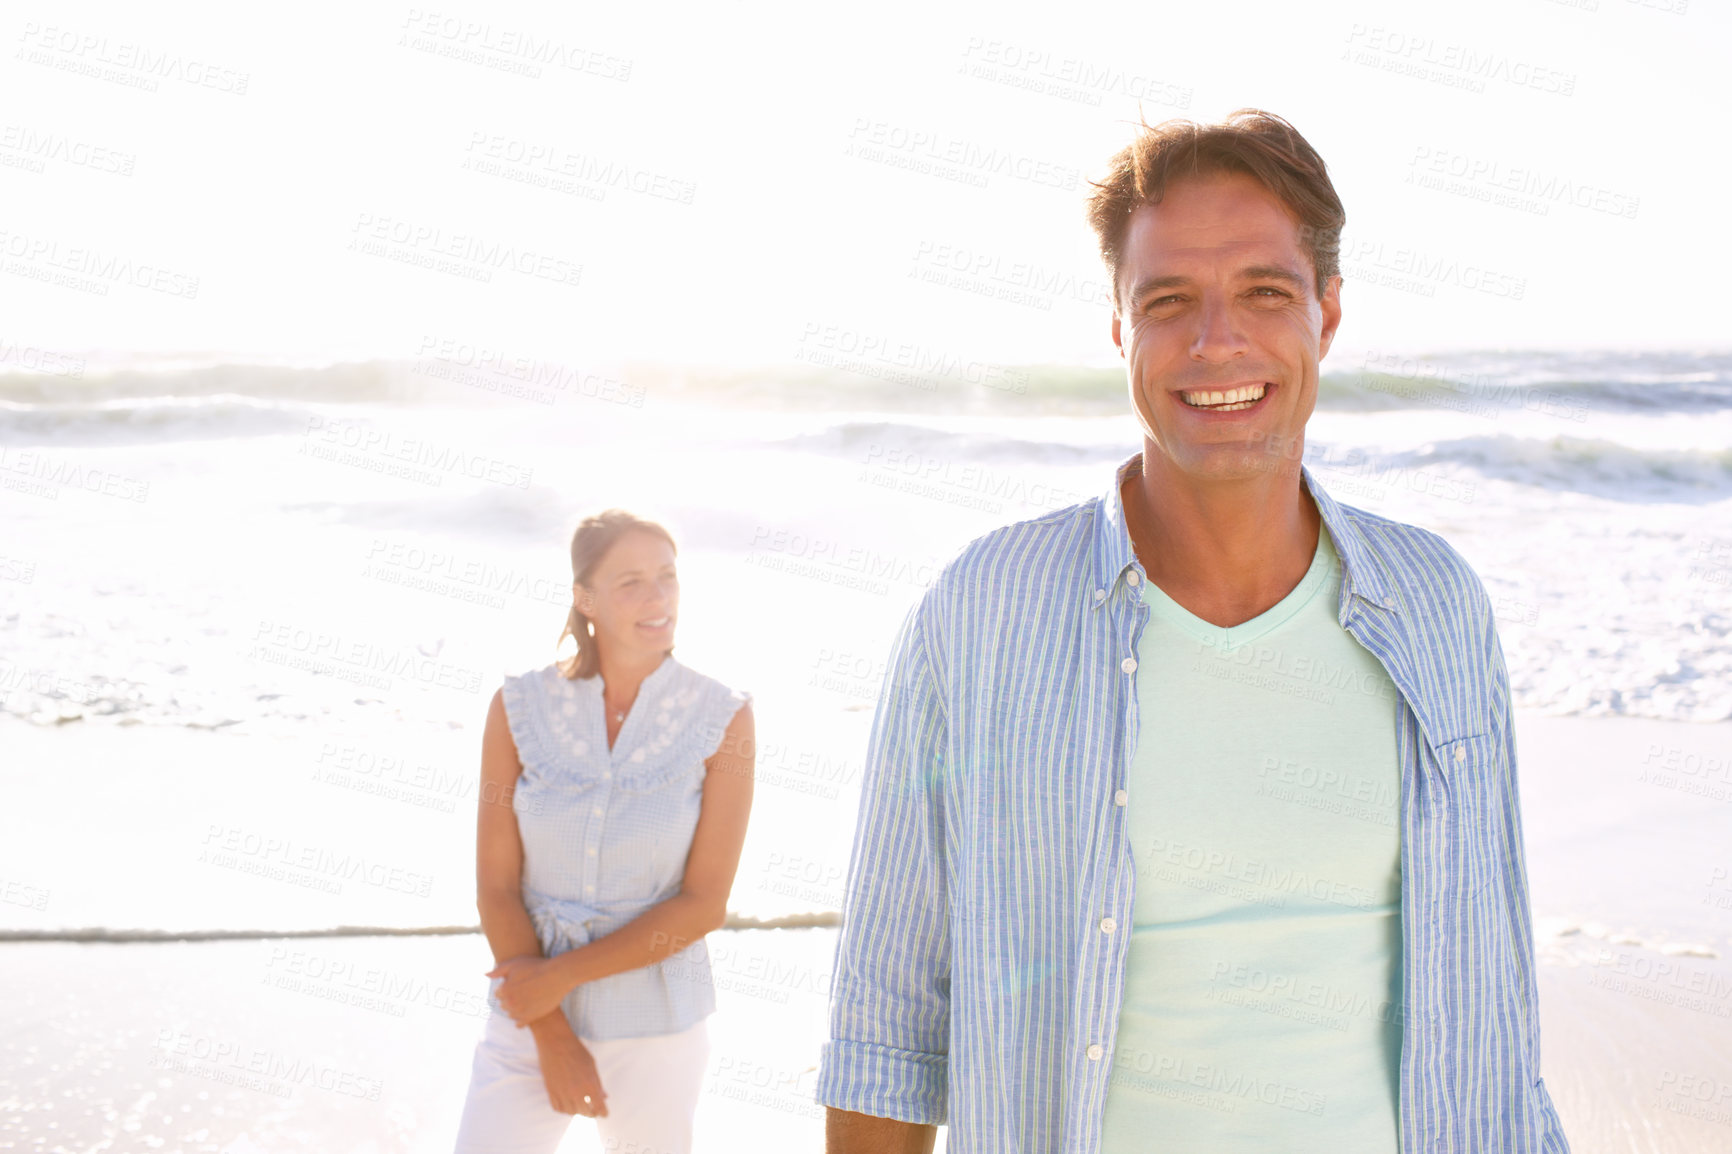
(866, 441)
(490, 513)
(1584, 465)
(149, 419)
(1560, 384)
(363, 381)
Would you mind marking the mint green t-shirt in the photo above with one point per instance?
(1262, 992)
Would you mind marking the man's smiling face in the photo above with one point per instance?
(1221, 328)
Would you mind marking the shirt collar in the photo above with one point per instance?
(1360, 575)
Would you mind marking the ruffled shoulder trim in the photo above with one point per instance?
(527, 712)
(720, 704)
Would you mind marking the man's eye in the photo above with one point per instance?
(1267, 289)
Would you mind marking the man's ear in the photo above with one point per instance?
(1331, 308)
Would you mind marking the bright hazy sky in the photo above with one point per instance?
(803, 174)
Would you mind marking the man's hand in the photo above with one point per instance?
(568, 1069)
(531, 988)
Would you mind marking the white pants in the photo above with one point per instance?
(652, 1086)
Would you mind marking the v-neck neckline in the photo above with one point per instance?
(1228, 637)
(600, 705)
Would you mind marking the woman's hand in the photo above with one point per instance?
(531, 988)
(568, 1070)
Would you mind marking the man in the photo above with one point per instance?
(1190, 818)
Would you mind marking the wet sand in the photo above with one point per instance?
(363, 1043)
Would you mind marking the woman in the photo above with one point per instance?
(615, 793)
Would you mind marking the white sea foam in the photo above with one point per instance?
(282, 547)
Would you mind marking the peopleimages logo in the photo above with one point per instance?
(882, 140)
(1430, 268)
(256, 1067)
(926, 474)
(88, 269)
(122, 61)
(321, 650)
(35, 149)
(551, 165)
(464, 254)
(1036, 69)
(492, 369)
(440, 571)
(228, 846)
(508, 49)
(350, 442)
(1489, 175)
(57, 473)
(838, 562)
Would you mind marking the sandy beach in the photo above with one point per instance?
(357, 1044)
(363, 1043)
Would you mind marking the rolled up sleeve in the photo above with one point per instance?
(888, 1050)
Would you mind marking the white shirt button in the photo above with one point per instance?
(1108, 925)
(1100, 594)
(1461, 753)
(1095, 1051)
(596, 811)
(591, 851)
(1133, 578)
(589, 889)
(1121, 797)
(1129, 665)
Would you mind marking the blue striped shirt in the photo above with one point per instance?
(975, 983)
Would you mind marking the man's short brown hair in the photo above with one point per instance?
(1257, 143)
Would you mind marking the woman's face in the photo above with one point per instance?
(633, 596)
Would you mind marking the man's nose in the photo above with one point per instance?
(1218, 336)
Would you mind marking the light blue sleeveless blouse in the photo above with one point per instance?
(606, 833)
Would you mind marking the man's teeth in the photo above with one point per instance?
(1241, 398)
